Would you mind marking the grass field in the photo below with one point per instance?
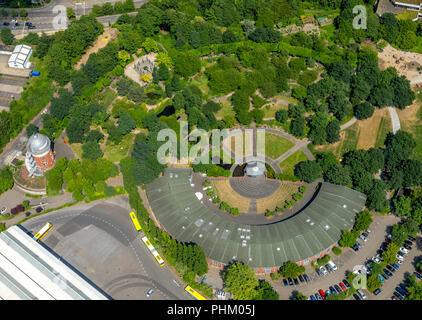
(288, 165)
(284, 192)
(270, 110)
(227, 194)
(247, 144)
(115, 153)
(411, 121)
(77, 149)
(225, 111)
(275, 145)
(363, 134)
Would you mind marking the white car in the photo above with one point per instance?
(3, 210)
(150, 291)
(404, 250)
(399, 257)
(368, 231)
(332, 265)
(376, 259)
(323, 270)
(363, 238)
(400, 261)
(362, 294)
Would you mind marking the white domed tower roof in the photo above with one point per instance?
(38, 144)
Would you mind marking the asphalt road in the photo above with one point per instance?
(116, 260)
(42, 18)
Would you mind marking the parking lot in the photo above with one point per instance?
(346, 262)
(12, 81)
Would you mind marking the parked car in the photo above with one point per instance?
(418, 275)
(295, 281)
(380, 277)
(403, 286)
(399, 257)
(358, 244)
(337, 288)
(355, 248)
(409, 243)
(391, 269)
(322, 269)
(368, 231)
(31, 27)
(401, 291)
(318, 296)
(312, 297)
(407, 247)
(318, 272)
(3, 210)
(332, 290)
(366, 235)
(28, 24)
(347, 284)
(388, 240)
(332, 265)
(398, 295)
(411, 238)
(306, 277)
(376, 259)
(342, 286)
(290, 281)
(404, 250)
(388, 273)
(378, 291)
(386, 277)
(301, 278)
(363, 238)
(361, 294)
(321, 292)
(400, 261)
(150, 292)
(329, 269)
(285, 282)
(396, 266)
(6, 23)
(356, 296)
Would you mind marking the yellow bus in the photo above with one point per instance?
(135, 221)
(44, 230)
(195, 294)
(154, 252)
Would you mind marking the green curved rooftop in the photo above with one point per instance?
(298, 238)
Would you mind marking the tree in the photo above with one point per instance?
(60, 107)
(281, 116)
(403, 95)
(187, 64)
(266, 292)
(291, 269)
(126, 124)
(415, 291)
(348, 238)
(364, 110)
(6, 179)
(363, 221)
(389, 255)
(70, 13)
(300, 296)
(376, 196)
(31, 129)
(91, 150)
(326, 160)
(6, 36)
(402, 206)
(373, 283)
(240, 280)
(308, 171)
(338, 175)
(333, 131)
(297, 127)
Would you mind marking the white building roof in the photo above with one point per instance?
(28, 271)
(20, 54)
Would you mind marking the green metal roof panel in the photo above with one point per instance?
(297, 238)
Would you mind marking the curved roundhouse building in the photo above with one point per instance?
(302, 238)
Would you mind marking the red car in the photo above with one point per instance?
(322, 293)
(388, 240)
(343, 287)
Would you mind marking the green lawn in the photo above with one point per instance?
(115, 153)
(383, 129)
(226, 110)
(275, 145)
(288, 165)
(270, 110)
